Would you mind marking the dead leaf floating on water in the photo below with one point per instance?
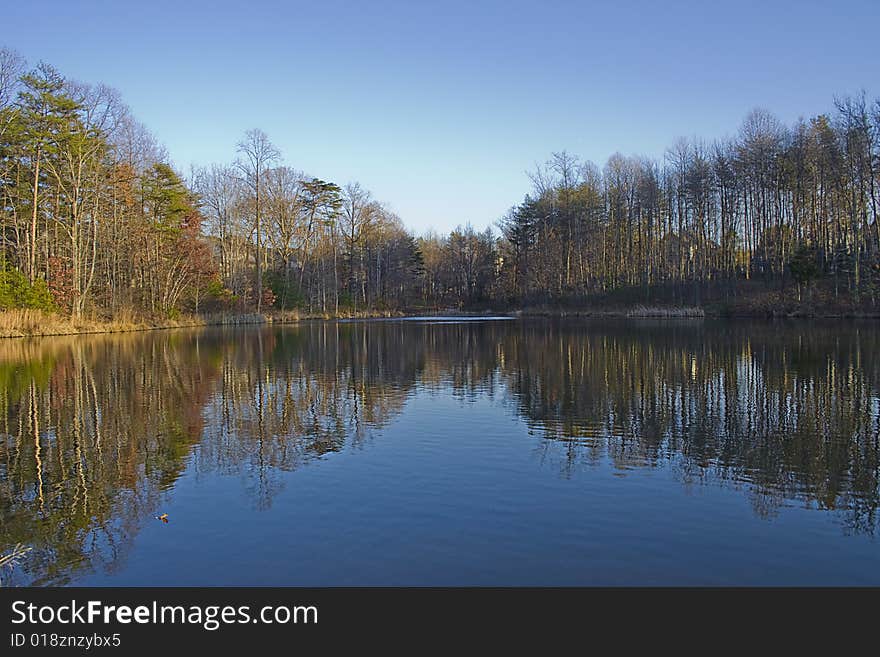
(163, 517)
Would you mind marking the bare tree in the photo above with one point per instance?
(258, 153)
(11, 69)
(358, 211)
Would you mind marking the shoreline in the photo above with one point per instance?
(36, 324)
(688, 312)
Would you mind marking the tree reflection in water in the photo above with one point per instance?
(95, 429)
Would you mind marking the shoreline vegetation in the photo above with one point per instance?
(23, 323)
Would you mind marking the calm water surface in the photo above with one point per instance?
(436, 452)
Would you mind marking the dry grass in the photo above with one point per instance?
(289, 316)
(24, 323)
(680, 312)
(637, 312)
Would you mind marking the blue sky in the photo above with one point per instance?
(440, 108)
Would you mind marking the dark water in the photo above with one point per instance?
(425, 452)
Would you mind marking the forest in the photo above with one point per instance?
(97, 222)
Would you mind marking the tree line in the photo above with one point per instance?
(288, 240)
(774, 205)
(91, 213)
(95, 220)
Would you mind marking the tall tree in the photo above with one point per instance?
(257, 153)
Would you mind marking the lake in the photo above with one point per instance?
(445, 452)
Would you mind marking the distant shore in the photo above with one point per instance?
(693, 312)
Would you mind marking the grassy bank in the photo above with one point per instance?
(769, 304)
(748, 299)
(26, 323)
(636, 312)
(781, 310)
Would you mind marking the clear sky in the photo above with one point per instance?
(439, 108)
